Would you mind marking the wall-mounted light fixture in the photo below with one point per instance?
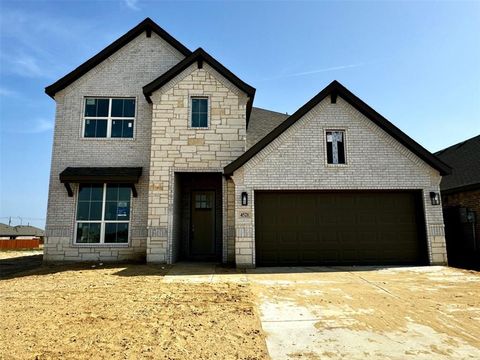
(244, 198)
(435, 198)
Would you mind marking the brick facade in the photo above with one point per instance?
(296, 160)
(123, 74)
(165, 145)
(469, 199)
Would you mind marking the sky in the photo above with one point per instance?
(416, 63)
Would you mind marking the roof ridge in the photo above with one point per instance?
(200, 56)
(147, 25)
(456, 145)
(335, 89)
(273, 111)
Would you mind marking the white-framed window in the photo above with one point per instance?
(335, 145)
(103, 214)
(108, 117)
(199, 112)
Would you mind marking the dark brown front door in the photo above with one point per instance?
(202, 239)
(315, 228)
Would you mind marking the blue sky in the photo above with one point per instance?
(417, 63)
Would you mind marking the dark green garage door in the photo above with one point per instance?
(309, 228)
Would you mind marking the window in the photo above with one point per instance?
(202, 201)
(109, 118)
(199, 112)
(103, 214)
(335, 147)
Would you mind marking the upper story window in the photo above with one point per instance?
(109, 118)
(199, 106)
(103, 214)
(335, 147)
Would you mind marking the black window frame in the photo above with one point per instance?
(341, 155)
(194, 112)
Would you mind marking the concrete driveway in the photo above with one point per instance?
(369, 313)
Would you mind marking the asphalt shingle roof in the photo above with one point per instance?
(20, 230)
(262, 121)
(464, 158)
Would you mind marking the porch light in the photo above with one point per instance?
(435, 198)
(244, 198)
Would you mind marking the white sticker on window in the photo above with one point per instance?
(130, 124)
(88, 122)
(329, 138)
(90, 101)
(122, 208)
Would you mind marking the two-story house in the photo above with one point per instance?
(160, 155)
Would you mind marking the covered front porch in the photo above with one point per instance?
(197, 229)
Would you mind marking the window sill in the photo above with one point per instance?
(106, 139)
(336, 166)
(101, 245)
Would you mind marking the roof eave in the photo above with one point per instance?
(147, 25)
(199, 56)
(337, 89)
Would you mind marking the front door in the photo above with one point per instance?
(202, 239)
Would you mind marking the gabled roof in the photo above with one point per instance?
(262, 121)
(335, 89)
(464, 158)
(147, 25)
(200, 56)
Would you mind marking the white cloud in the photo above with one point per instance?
(7, 92)
(35, 126)
(132, 4)
(26, 65)
(31, 42)
(340, 67)
(316, 71)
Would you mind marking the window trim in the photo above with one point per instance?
(102, 222)
(109, 118)
(345, 146)
(190, 111)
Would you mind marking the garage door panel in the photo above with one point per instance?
(338, 228)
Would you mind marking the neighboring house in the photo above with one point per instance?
(461, 200)
(20, 232)
(20, 237)
(159, 154)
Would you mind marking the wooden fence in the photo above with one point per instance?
(10, 244)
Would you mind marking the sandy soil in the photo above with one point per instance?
(9, 254)
(397, 313)
(125, 312)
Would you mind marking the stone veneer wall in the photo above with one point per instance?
(229, 201)
(176, 147)
(121, 75)
(296, 160)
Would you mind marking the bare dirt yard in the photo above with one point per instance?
(204, 311)
(125, 312)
